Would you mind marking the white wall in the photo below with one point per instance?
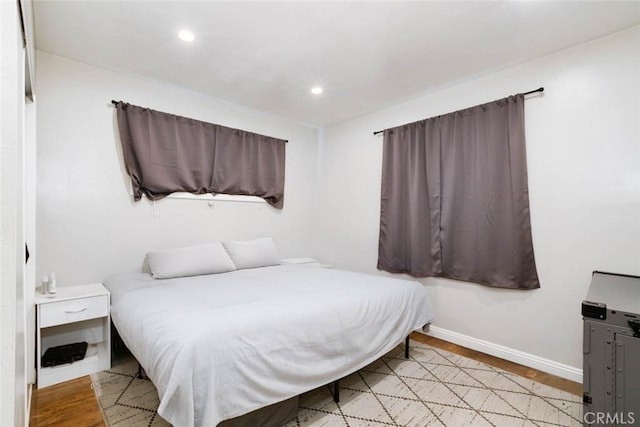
(13, 386)
(583, 148)
(89, 227)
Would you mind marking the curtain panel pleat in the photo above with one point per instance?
(455, 199)
(165, 153)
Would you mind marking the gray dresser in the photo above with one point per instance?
(611, 346)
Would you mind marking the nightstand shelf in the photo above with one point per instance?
(75, 314)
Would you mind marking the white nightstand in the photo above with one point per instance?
(75, 314)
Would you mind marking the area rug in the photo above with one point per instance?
(433, 388)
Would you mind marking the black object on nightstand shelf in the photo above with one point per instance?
(62, 354)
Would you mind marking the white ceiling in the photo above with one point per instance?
(366, 55)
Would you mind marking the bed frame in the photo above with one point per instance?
(336, 383)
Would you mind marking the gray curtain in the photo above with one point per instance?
(164, 153)
(455, 200)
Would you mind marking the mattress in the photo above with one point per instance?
(219, 346)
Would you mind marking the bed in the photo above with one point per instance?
(219, 346)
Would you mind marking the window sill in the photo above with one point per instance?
(217, 198)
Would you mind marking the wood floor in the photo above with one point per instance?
(71, 403)
(533, 374)
(74, 403)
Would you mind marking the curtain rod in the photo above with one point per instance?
(540, 89)
(114, 102)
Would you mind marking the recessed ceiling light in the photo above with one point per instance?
(186, 35)
(316, 90)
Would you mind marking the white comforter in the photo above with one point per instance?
(222, 345)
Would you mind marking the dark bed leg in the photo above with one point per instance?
(336, 391)
(140, 376)
(406, 347)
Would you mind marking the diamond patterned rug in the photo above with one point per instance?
(433, 388)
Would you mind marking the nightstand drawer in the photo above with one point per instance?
(74, 310)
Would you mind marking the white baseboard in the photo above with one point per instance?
(512, 355)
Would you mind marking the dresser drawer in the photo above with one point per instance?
(74, 310)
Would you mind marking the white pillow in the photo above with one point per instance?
(191, 261)
(253, 253)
